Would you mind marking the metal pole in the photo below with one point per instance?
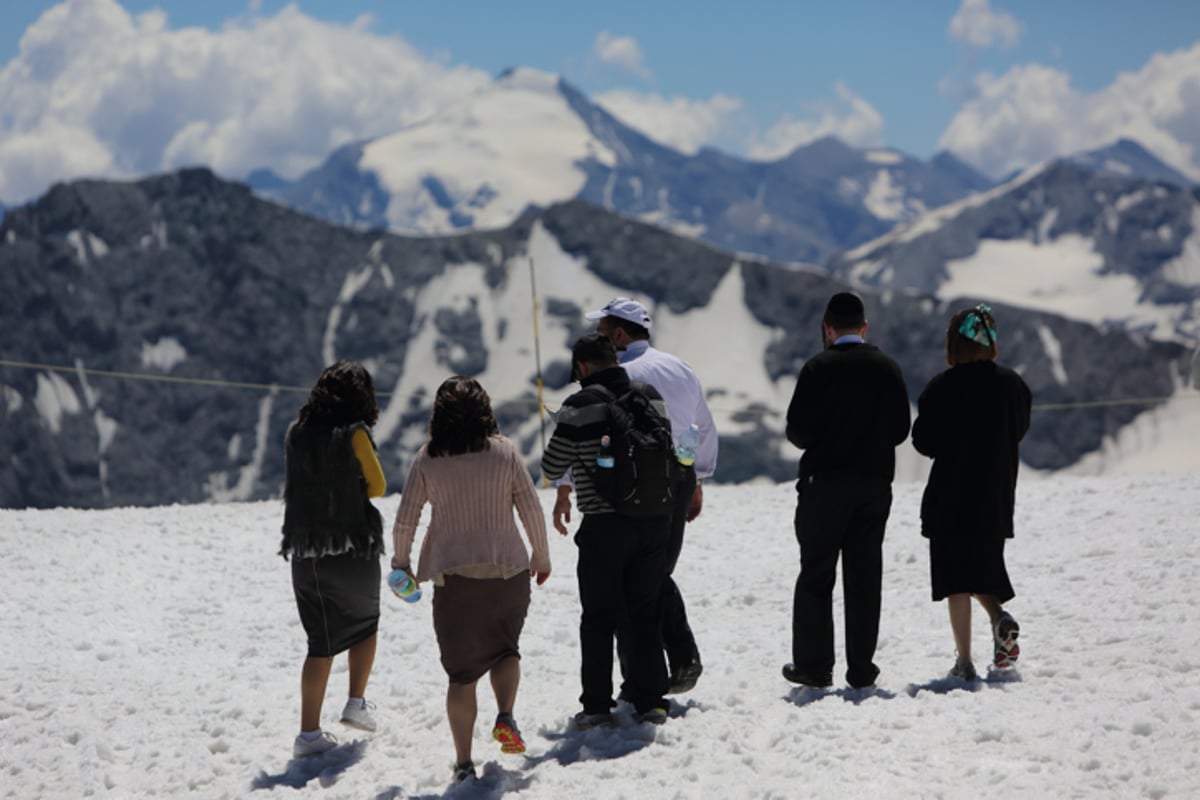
(537, 357)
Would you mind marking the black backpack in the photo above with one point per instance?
(641, 482)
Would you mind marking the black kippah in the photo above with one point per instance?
(845, 310)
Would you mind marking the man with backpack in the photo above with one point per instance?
(627, 323)
(622, 553)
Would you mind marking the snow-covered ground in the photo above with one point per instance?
(156, 653)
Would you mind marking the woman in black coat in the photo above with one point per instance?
(970, 420)
(334, 536)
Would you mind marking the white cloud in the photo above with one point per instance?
(848, 117)
(96, 91)
(677, 122)
(620, 51)
(1032, 113)
(979, 26)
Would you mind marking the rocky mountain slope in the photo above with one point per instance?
(200, 282)
(1118, 252)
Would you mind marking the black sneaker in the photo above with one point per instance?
(464, 772)
(684, 679)
(964, 671)
(655, 716)
(794, 675)
(585, 721)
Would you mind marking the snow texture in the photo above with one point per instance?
(156, 653)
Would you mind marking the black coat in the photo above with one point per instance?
(848, 412)
(970, 420)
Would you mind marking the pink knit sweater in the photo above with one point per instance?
(472, 497)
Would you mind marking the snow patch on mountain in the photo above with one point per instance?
(1185, 269)
(734, 381)
(1062, 276)
(886, 199)
(885, 157)
(53, 399)
(484, 160)
(164, 353)
(507, 328)
(1159, 441)
(249, 475)
(935, 219)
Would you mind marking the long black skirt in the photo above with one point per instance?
(338, 600)
(969, 566)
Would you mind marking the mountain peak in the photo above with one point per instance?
(1129, 158)
(527, 78)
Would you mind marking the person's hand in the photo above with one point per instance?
(397, 563)
(540, 577)
(562, 509)
(697, 503)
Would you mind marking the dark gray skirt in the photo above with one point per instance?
(969, 566)
(338, 600)
(478, 623)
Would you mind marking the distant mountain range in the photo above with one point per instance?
(1118, 252)
(531, 139)
(192, 278)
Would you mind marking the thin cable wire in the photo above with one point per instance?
(141, 376)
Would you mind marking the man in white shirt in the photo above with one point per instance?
(627, 324)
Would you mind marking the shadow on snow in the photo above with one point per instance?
(325, 768)
(801, 696)
(947, 684)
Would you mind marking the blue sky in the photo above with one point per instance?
(1001, 82)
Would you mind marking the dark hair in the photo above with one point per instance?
(462, 418)
(960, 349)
(594, 349)
(634, 331)
(845, 312)
(343, 395)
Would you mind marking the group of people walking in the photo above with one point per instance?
(849, 411)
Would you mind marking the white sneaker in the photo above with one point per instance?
(359, 716)
(313, 747)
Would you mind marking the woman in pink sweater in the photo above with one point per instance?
(473, 478)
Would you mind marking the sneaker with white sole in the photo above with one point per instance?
(464, 772)
(304, 747)
(358, 715)
(1004, 634)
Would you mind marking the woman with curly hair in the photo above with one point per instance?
(970, 421)
(473, 478)
(334, 535)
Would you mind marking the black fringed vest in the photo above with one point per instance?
(327, 511)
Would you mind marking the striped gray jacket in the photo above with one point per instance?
(582, 420)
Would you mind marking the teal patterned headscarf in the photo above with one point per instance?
(977, 326)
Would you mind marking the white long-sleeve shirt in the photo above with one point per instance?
(681, 390)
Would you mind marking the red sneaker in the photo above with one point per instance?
(506, 732)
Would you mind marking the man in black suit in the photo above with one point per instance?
(848, 413)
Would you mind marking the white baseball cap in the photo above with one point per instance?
(623, 308)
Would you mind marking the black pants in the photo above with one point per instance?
(676, 633)
(620, 570)
(843, 515)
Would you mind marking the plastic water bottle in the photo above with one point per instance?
(403, 586)
(689, 440)
(604, 457)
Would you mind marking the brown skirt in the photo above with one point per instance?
(478, 623)
(338, 600)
